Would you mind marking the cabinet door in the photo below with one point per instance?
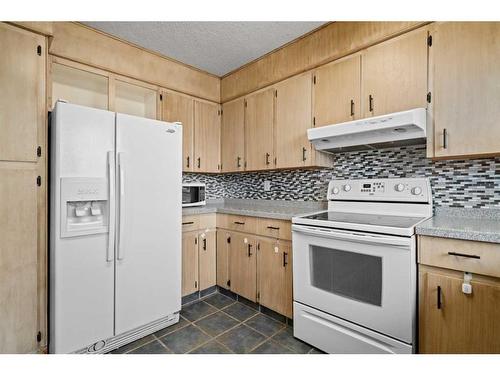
(180, 108)
(206, 137)
(337, 92)
(259, 120)
(274, 262)
(22, 93)
(223, 238)
(189, 263)
(135, 99)
(465, 92)
(460, 323)
(207, 241)
(233, 136)
(243, 265)
(395, 74)
(293, 118)
(18, 258)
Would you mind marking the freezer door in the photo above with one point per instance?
(148, 230)
(81, 217)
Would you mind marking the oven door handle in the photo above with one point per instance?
(353, 237)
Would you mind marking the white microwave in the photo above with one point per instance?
(193, 194)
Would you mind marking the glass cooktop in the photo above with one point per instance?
(366, 219)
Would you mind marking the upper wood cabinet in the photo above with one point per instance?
(293, 118)
(22, 93)
(134, 99)
(395, 74)
(259, 137)
(454, 322)
(87, 87)
(180, 108)
(206, 137)
(337, 92)
(233, 136)
(464, 75)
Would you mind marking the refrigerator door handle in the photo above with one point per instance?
(121, 209)
(111, 204)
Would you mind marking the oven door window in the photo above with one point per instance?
(347, 274)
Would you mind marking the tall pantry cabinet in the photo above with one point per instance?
(22, 190)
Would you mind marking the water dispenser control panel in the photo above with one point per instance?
(84, 206)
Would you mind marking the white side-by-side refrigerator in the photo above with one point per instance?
(115, 228)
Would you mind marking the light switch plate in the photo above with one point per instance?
(267, 185)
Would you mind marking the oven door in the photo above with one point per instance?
(364, 278)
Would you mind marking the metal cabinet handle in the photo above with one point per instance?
(304, 150)
(285, 259)
(267, 158)
(275, 228)
(199, 162)
(464, 255)
(204, 244)
(188, 222)
(370, 101)
(439, 297)
(445, 139)
(238, 159)
(352, 107)
(239, 222)
(187, 162)
(249, 246)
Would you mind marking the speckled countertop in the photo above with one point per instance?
(284, 210)
(463, 223)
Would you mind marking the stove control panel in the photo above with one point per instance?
(388, 189)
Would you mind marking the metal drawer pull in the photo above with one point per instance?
(249, 248)
(463, 255)
(188, 222)
(239, 222)
(199, 162)
(445, 138)
(304, 150)
(285, 259)
(370, 101)
(187, 164)
(439, 297)
(352, 107)
(238, 164)
(267, 158)
(275, 228)
(204, 244)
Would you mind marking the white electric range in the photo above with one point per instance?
(355, 266)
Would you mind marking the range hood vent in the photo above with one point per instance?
(396, 129)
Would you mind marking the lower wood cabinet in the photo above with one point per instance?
(207, 245)
(454, 322)
(189, 263)
(243, 265)
(275, 275)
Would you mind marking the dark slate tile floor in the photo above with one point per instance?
(220, 325)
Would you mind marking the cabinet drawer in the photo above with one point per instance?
(240, 223)
(275, 228)
(208, 221)
(191, 222)
(469, 256)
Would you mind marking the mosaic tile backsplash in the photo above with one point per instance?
(455, 183)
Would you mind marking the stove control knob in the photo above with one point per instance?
(399, 187)
(347, 187)
(416, 190)
(335, 190)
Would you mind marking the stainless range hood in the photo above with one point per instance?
(395, 129)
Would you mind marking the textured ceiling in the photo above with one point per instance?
(215, 47)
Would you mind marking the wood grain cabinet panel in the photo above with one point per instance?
(454, 322)
(293, 118)
(243, 265)
(189, 263)
(135, 99)
(223, 244)
(18, 258)
(395, 74)
(233, 136)
(206, 137)
(207, 245)
(274, 270)
(464, 76)
(259, 134)
(337, 92)
(180, 108)
(22, 93)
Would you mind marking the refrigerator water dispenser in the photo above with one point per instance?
(84, 206)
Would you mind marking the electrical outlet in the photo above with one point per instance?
(267, 185)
